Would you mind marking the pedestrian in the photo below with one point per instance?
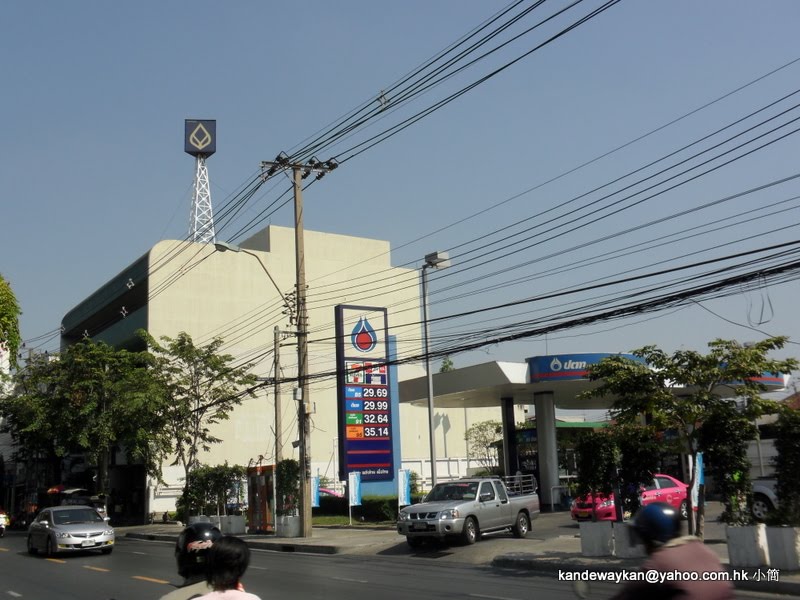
(191, 555)
(227, 561)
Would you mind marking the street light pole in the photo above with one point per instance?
(435, 260)
(225, 247)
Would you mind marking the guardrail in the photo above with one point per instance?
(521, 484)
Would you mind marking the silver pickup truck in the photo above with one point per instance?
(468, 508)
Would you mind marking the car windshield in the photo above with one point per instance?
(76, 515)
(453, 491)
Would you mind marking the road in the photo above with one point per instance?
(141, 569)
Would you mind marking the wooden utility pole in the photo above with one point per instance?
(299, 172)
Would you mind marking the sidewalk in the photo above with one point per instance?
(547, 556)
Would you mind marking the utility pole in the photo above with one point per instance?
(277, 393)
(299, 172)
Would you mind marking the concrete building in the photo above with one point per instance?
(196, 288)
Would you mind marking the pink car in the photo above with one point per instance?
(663, 488)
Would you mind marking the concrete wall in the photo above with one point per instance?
(228, 294)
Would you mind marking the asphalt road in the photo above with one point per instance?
(141, 570)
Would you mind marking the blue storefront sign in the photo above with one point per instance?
(566, 367)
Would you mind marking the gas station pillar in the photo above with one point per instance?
(548, 453)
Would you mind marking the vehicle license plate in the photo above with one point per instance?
(583, 513)
(88, 543)
(419, 526)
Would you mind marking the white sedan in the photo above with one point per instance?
(70, 529)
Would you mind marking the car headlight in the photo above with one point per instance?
(403, 516)
(108, 532)
(451, 513)
(62, 534)
(606, 504)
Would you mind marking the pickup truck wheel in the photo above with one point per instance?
(414, 542)
(470, 532)
(761, 507)
(522, 526)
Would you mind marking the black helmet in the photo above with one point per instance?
(656, 524)
(192, 547)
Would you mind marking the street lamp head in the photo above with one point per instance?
(437, 260)
(225, 246)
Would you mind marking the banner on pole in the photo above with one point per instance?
(354, 488)
(699, 478)
(403, 487)
(315, 492)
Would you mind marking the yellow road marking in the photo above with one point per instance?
(101, 569)
(141, 578)
(3, 549)
(56, 560)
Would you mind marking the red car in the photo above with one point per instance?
(663, 488)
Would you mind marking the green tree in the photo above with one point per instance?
(287, 487)
(787, 467)
(447, 365)
(480, 439)
(211, 488)
(201, 388)
(89, 399)
(31, 415)
(680, 391)
(724, 437)
(9, 321)
(596, 457)
(639, 448)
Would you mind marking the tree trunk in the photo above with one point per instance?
(102, 472)
(701, 510)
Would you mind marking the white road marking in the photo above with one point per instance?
(347, 579)
(490, 597)
(15, 594)
(142, 553)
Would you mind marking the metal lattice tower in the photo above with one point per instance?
(201, 219)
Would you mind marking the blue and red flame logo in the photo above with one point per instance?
(363, 336)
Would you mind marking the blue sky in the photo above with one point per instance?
(95, 95)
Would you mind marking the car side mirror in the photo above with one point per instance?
(106, 519)
(486, 496)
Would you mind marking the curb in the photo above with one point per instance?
(257, 544)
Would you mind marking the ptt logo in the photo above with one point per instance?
(363, 337)
(570, 365)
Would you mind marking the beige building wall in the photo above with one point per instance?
(228, 294)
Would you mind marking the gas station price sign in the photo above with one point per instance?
(365, 415)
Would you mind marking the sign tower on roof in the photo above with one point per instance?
(200, 140)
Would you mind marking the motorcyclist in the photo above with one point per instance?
(191, 554)
(657, 526)
(3, 522)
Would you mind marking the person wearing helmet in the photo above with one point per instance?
(191, 555)
(658, 527)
